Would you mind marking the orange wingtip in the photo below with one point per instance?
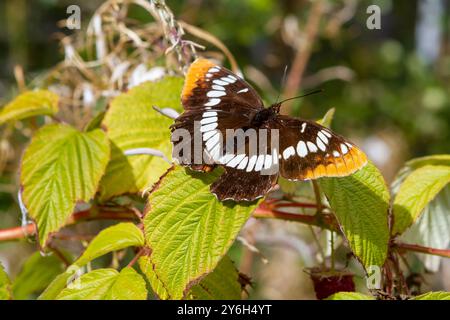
(343, 166)
(196, 71)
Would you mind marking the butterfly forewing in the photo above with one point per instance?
(215, 101)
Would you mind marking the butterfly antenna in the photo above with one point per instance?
(303, 95)
(283, 80)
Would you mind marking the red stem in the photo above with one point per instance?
(417, 248)
(16, 233)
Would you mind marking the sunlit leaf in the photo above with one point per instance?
(117, 237)
(188, 230)
(60, 167)
(106, 284)
(438, 295)
(5, 285)
(131, 122)
(361, 202)
(416, 191)
(350, 296)
(29, 104)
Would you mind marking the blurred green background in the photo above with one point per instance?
(390, 87)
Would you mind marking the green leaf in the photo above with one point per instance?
(36, 274)
(188, 230)
(129, 285)
(438, 295)
(432, 229)
(361, 202)
(416, 191)
(411, 165)
(114, 238)
(57, 285)
(60, 167)
(327, 118)
(349, 296)
(221, 284)
(5, 285)
(106, 284)
(29, 104)
(132, 123)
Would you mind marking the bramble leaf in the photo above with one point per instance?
(349, 296)
(361, 203)
(419, 188)
(438, 295)
(106, 284)
(188, 230)
(221, 284)
(60, 167)
(132, 123)
(29, 104)
(5, 285)
(36, 274)
(114, 238)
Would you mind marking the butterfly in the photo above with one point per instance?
(216, 100)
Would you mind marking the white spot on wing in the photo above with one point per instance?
(303, 127)
(215, 94)
(209, 114)
(259, 162)
(220, 82)
(336, 154)
(226, 158)
(243, 163)
(212, 102)
(325, 132)
(214, 69)
(212, 141)
(344, 148)
(209, 134)
(215, 152)
(320, 144)
(322, 136)
(208, 127)
(301, 149)
(290, 151)
(268, 161)
(233, 163)
(243, 90)
(208, 120)
(311, 146)
(251, 163)
(217, 87)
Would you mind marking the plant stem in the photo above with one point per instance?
(417, 248)
(16, 233)
(303, 52)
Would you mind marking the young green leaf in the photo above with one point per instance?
(131, 122)
(60, 167)
(29, 104)
(114, 238)
(221, 284)
(327, 118)
(411, 165)
(432, 229)
(188, 230)
(36, 274)
(106, 284)
(5, 285)
(361, 202)
(416, 191)
(349, 296)
(438, 295)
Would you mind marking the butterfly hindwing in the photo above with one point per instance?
(310, 151)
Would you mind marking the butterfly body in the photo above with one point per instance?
(230, 127)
